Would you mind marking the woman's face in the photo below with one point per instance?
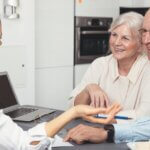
(123, 44)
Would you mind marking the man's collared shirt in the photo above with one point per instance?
(134, 131)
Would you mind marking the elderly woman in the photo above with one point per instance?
(123, 76)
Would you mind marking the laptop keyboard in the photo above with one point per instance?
(20, 112)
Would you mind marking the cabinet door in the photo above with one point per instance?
(99, 8)
(12, 60)
(146, 3)
(125, 3)
(53, 87)
(17, 55)
(143, 3)
(54, 32)
(79, 73)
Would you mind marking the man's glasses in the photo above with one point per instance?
(143, 31)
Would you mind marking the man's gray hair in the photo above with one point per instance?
(132, 19)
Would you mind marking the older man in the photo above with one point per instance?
(145, 31)
(135, 131)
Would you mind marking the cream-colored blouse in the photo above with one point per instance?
(132, 91)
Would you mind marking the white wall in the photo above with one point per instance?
(143, 3)
(146, 3)
(125, 3)
(134, 3)
(79, 71)
(99, 8)
(18, 40)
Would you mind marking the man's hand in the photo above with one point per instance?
(82, 133)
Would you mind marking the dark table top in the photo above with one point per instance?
(89, 146)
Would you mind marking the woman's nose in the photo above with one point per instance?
(117, 41)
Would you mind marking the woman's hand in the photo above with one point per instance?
(98, 97)
(88, 112)
(110, 112)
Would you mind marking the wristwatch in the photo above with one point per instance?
(110, 133)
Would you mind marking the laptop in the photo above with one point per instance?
(11, 106)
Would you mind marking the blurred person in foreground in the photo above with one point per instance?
(41, 137)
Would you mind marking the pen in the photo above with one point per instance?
(116, 117)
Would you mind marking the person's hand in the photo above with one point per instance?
(98, 97)
(88, 112)
(82, 133)
(111, 111)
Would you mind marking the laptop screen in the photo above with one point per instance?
(7, 96)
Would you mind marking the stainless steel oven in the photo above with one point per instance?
(91, 38)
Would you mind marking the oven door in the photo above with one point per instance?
(90, 44)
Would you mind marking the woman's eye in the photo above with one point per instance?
(125, 38)
(113, 34)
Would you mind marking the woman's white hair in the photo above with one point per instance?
(132, 19)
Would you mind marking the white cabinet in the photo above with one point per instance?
(54, 28)
(54, 32)
(134, 3)
(125, 3)
(146, 3)
(15, 66)
(143, 3)
(79, 71)
(17, 55)
(53, 86)
(99, 8)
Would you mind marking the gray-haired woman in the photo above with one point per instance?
(123, 76)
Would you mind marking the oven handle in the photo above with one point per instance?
(95, 32)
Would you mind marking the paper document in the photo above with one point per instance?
(58, 142)
(131, 145)
(139, 145)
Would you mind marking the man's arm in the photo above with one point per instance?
(83, 133)
(130, 132)
(135, 131)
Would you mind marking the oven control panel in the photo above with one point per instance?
(93, 21)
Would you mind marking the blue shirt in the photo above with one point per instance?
(134, 131)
